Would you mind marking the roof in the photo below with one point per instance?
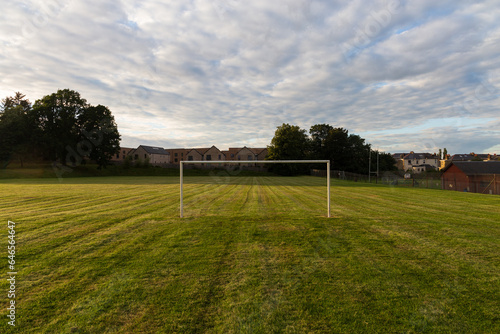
(473, 156)
(412, 156)
(462, 157)
(258, 151)
(399, 155)
(476, 167)
(154, 150)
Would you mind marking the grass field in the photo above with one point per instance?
(253, 255)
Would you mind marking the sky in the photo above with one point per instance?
(405, 75)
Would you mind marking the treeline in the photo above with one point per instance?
(347, 152)
(61, 127)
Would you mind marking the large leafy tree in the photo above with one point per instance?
(319, 135)
(98, 134)
(347, 152)
(59, 127)
(15, 128)
(290, 142)
(56, 118)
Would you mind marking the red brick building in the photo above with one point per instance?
(473, 176)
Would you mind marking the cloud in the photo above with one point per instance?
(228, 72)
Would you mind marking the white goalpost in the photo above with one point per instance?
(327, 162)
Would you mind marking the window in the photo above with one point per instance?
(190, 158)
(209, 157)
(175, 154)
(232, 155)
(145, 156)
(249, 157)
(182, 154)
(118, 156)
(136, 156)
(409, 162)
(220, 157)
(175, 159)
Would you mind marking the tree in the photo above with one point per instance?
(99, 137)
(385, 161)
(15, 128)
(70, 130)
(56, 118)
(290, 142)
(319, 136)
(347, 152)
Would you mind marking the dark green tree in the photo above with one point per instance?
(319, 136)
(56, 117)
(337, 149)
(290, 142)
(70, 130)
(99, 138)
(347, 152)
(15, 128)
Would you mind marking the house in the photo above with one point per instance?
(156, 155)
(231, 153)
(178, 154)
(195, 154)
(467, 157)
(473, 157)
(246, 154)
(417, 162)
(260, 153)
(121, 155)
(205, 154)
(473, 176)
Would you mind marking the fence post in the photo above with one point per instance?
(495, 189)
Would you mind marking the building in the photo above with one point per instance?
(417, 162)
(155, 155)
(205, 154)
(161, 156)
(121, 155)
(467, 157)
(472, 176)
(246, 153)
(178, 154)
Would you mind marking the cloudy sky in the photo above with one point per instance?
(405, 75)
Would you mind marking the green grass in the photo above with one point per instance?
(253, 255)
(57, 171)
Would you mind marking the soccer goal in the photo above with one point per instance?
(327, 162)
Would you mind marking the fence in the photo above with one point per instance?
(341, 175)
(389, 178)
(482, 184)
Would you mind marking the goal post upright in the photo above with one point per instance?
(328, 185)
(181, 183)
(252, 162)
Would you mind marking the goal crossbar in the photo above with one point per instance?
(327, 162)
